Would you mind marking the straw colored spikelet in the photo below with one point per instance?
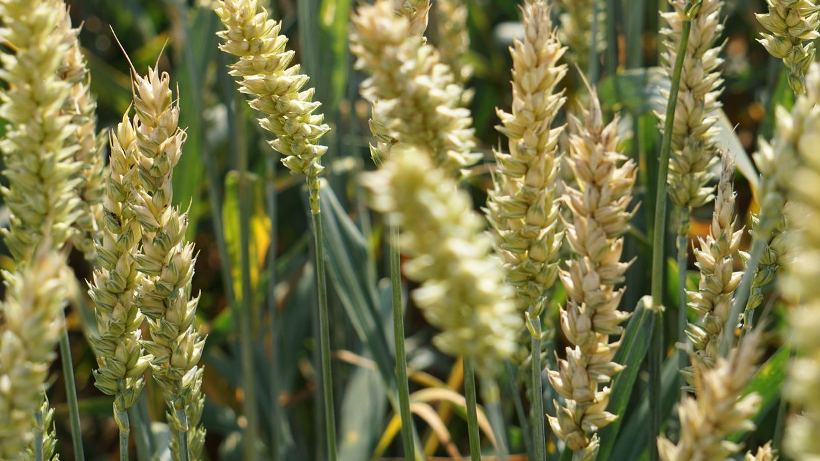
(522, 206)
(801, 441)
(81, 107)
(600, 216)
(419, 101)
(277, 88)
(764, 453)
(417, 13)
(32, 324)
(453, 39)
(715, 258)
(38, 152)
(576, 29)
(462, 286)
(166, 259)
(693, 132)
(121, 359)
(719, 409)
(793, 26)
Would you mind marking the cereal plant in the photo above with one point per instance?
(343, 230)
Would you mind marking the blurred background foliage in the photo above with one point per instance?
(180, 36)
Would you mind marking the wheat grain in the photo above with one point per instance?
(462, 289)
(277, 88)
(715, 258)
(32, 325)
(800, 136)
(38, 153)
(793, 26)
(693, 144)
(419, 101)
(600, 217)
(719, 409)
(166, 260)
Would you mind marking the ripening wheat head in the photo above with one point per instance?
(600, 216)
(121, 359)
(265, 73)
(792, 26)
(801, 441)
(715, 259)
(719, 409)
(693, 144)
(81, 107)
(462, 290)
(419, 101)
(166, 260)
(38, 151)
(523, 208)
(32, 322)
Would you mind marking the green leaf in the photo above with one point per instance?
(766, 383)
(333, 23)
(633, 348)
(362, 417)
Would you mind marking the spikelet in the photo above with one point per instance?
(32, 325)
(419, 101)
(576, 29)
(715, 259)
(693, 145)
(81, 107)
(600, 217)
(522, 207)
(801, 441)
(462, 289)
(778, 252)
(46, 415)
(38, 151)
(277, 88)
(764, 453)
(719, 410)
(793, 27)
(452, 38)
(417, 13)
(166, 260)
(121, 359)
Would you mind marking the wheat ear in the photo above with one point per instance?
(792, 26)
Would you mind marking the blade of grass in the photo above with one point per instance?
(492, 405)
(71, 394)
(472, 415)
(519, 410)
(658, 349)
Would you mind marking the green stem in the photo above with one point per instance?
(275, 413)
(324, 334)
(742, 293)
(658, 351)
(71, 394)
(39, 431)
(526, 432)
(124, 437)
(683, 262)
(472, 413)
(249, 408)
(401, 357)
(537, 411)
(141, 437)
(183, 435)
(492, 404)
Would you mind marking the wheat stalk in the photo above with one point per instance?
(693, 131)
(801, 441)
(600, 217)
(32, 317)
(793, 26)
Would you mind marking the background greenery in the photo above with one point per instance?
(282, 273)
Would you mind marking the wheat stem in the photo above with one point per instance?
(398, 333)
(526, 431)
(537, 392)
(657, 350)
(71, 394)
(324, 334)
(472, 412)
(492, 405)
(683, 262)
(124, 425)
(39, 430)
(742, 294)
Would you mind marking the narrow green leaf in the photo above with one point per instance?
(631, 353)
